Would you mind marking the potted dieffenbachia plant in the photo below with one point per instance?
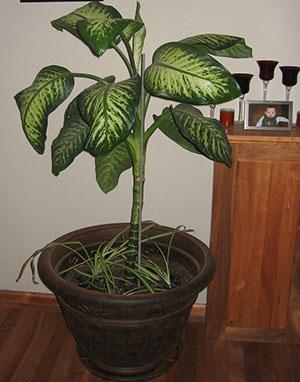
(127, 289)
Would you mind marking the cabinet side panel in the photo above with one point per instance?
(280, 241)
(263, 243)
(249, 222)
(216, 307)
(294, 307)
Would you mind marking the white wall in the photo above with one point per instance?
(35, 206)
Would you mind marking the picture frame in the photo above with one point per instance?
(268, 115)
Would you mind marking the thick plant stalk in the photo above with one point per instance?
(137, 205)
(138, 160)
(142, 167)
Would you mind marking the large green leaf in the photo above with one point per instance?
(165, 123)
(49, 89)
(109, 167)
(132, 28)
(183, 73)
(101, 35)
(206, 134)
(110, 112)
(221, 45)
(91, 11)
(138, 38)
(71, 139)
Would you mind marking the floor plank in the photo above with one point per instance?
(35, 346)
(8, 319)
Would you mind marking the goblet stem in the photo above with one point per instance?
(241, 108)
(287, 92)
(265, 89)
(212, 111)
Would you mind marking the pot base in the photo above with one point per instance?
(167, 363)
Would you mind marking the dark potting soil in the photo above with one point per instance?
(179, 275)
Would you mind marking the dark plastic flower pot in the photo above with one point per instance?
(128, 338)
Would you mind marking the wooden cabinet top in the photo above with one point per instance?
(238, 134)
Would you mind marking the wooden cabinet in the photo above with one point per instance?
(255, 237)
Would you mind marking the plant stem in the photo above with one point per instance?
(138, 166)
(90, 76)
(130, 54)
(142, 148)
(150, 131)
(124, 59)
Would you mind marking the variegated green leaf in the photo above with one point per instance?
(91, 11)
(101, 35)
(71, 139)
(221, 45)
(71, 110)
(206, 134)
(109, 167)
(110, 79)
(138, 38)
(110, 111)
(165, 123)
(132, 28)
(49, 89)
(183, 73)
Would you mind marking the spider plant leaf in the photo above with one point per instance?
(71, 139)
(50, 88)
(183, 73)
(166, 124)
(110, 112)
(138, 38)
(221, 45)
(91, 11)
(102, 35)
(109, 167)
(207, 134)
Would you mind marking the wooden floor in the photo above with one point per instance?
(35, 346)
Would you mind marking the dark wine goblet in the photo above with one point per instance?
(243, 80)
(266, 73)
(289, 78)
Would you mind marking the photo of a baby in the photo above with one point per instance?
(268, 115)
(271, 118)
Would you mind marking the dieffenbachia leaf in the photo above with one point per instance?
(71, 139)
(110, 112)
(207, 134)
(110, 79)
(132, 28)
(165, 123)
(91, 11)
(102, 35)
(138, 38)
(109, 167)
(183, 73)
(49, 89)
(221, 45)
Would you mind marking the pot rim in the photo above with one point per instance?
(55, 282)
